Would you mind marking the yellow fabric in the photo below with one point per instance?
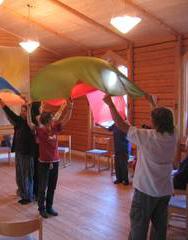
(14, 67)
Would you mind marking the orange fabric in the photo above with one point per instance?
(10, 98)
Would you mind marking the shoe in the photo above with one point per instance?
(125, 182)
(52, 212)
(117, 181)
(43, 213)
(24, 201)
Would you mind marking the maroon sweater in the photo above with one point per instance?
(48, 144)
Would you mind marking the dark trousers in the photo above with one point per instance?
(121, 166)
(24, 175)
(47, 184)
(145, 209)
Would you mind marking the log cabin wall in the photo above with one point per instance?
(155, 71)
(39, 59)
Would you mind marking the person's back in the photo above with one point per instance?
(152, 183)
(155, 155)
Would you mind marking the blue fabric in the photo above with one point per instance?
(4, 85)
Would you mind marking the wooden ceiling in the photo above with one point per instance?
(71, 27)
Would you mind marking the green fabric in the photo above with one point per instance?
(56, 80)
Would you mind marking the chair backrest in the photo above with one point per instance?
(21, 228)
(65, 140)
(101, 142)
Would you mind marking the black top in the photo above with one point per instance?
(23, 139)
(181, 176)
(120, 140)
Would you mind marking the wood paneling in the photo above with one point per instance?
(39, 59)
(155, 72)
(79, 125)
(7, 39)
(185, 45)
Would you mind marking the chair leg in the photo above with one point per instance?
(112, 165)
(9, 158)
(99, 163)
(69, 159)
(87, 161)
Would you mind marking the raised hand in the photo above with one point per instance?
(2, 104)
(107, 99)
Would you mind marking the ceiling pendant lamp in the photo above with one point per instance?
(125, 23)
(29, 44)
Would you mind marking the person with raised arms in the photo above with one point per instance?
(152, 179)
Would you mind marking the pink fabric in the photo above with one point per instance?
(100, 110)
(79, 90)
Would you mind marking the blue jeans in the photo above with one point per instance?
(145, 209)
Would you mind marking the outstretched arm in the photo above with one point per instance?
(122, 124)
(68, 113)
(151, 99)
(59, 112)
(13, 118)
(29, 119)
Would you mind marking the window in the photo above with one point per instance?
(123, 69)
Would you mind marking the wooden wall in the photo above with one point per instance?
(79, 127)
(155, 72)
(39, 59)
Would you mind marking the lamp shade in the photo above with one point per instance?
(125, 23)
(29, 45)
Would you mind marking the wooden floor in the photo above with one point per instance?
(90, 206)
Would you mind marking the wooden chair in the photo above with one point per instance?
(65, 149)
(21, 229)
(178, 207)
(100, 150)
